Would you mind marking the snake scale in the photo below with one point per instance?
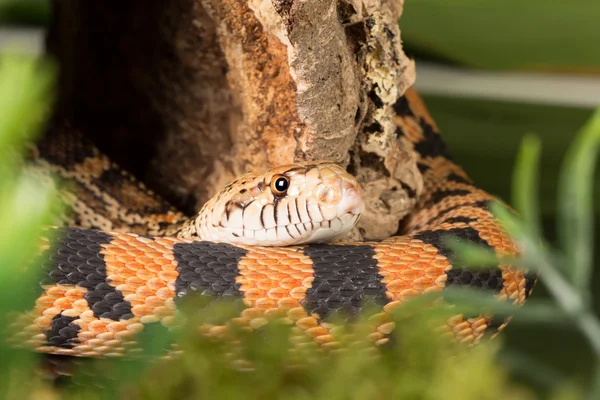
(133, 257)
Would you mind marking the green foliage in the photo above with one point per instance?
(25, 12)
(505, 34)
(420, 364)
(565, 272)
(24, 205)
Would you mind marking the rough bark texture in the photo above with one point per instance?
(189, 93)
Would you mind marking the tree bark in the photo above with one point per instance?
(188, 94)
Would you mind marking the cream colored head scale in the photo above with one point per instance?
(291, 204)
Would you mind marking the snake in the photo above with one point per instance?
(124, 258)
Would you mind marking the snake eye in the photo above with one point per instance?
(279, 185)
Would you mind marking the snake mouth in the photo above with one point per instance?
(351, 202)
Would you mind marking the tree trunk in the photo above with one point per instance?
(187, 94)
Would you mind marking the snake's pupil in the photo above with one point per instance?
(281, 184)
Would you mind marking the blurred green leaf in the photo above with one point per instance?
(543, 35)
(576, 209)
(25, 99)
(25, 12)
(25, 207)
(525, 184)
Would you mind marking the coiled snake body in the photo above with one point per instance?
(103, 286)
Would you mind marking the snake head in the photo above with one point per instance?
(287, 205)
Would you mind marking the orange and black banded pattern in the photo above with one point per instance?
(102, 288)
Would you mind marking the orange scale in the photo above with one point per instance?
(165, 293)
(118, 242)
(289, 283)
(165, 241)
(42, 322)
(74, 294)
(134, 266)
(141, 310)
(300, 274)
(388, 277)
(421, 281)
(55, 292)
(298, 293)
(408, 293)
(153, 301)
(135, 281)
(287, 303)
(433, 272)
(144, 291)
(140, 250)
(97, 326)
(115, 280)
(105, 336)
(142, 239)
(133, 298)
(153, 254)
(478, 323)
(397, 285)
(168, 275)
(265, 303)
(419, 265)
(115, 327)
(155, 283)
(251, 313)
(163, 312)
(86, 336)
(145, 275)
(254, 294)
(441, 280)
(87, 315)
(308, 281)
(125, 258)
(144, 260)
(296, 313)
(307, 323)
(386, 259)
(164, 261)
(280, 266)
(275, 313)
(264, 284)
(44, 301)
(125, 289)
(124, 272)
(135, 251)
(421, 287)
(171, 304)
(279, 276)
(317, 331)
(277, 293)
(153, 267)
(114, 249)
(52, 311)
(63, 303)
(168, 256)
(254, 276)
(271, 260)
(409, 274)
(413, 253)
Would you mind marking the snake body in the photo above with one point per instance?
(116, 273)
